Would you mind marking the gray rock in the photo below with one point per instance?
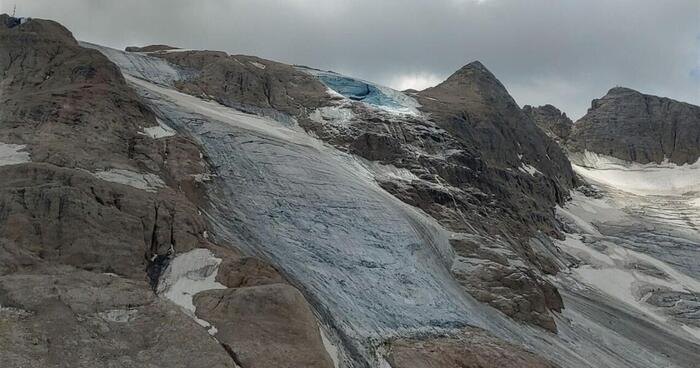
(632, 126)
(265, 326)
(473, 348)
(551, 120)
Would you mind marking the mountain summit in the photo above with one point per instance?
(633, 126)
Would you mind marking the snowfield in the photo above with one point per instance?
(649, 179)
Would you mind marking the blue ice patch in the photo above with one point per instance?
(358, 91)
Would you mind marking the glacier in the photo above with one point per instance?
(371, 266)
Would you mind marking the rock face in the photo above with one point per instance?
(552, 121)
(641, 128)
(472, 348)
(255, 323)
(249, 83)
(476, 108)
(96, 201)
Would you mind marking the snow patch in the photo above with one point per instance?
(331, 349)
(391, 172)
(528, 169)
(258, 65)
(188, 274)
(118, 315)
(611, 268)
(642, 179)
(159, 131)
(147, 182)
(12, 154)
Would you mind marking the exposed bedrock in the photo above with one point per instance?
(632, 126)
(552, 121)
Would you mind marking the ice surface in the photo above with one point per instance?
(640, 234)
(369, 93)
(649, 179)
(12, 154)
(147, 182)
(119, 315)
(143, 66)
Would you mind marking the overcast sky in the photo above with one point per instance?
(562, 52)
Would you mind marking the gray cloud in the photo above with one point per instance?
(562, 52)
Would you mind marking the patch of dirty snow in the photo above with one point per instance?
(188, 274)
(147, 182)
(608, 266)
(12, 154)
(391, 172)
(335, 115)
(118, 315)
(159, 131)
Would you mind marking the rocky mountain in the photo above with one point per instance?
(632, 126)
(551, 120)
(184, 208)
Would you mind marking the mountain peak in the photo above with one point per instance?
(620, 91)
(472, 78)
(471, 72)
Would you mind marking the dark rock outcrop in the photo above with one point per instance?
(150, 48)
(473, 348)
(249, 83)
(551, 120)
(632, 126)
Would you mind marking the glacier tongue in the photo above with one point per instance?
(371, 265)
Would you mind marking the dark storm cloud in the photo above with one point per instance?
(545, 51)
